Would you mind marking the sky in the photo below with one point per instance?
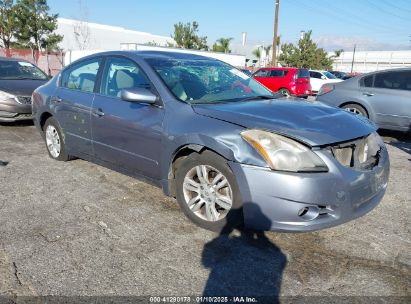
(335, 24)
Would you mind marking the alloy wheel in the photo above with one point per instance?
(207, 193)
(53, 141)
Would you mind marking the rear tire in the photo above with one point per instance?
(210, 198)
(355, 109)
(55, 140)
(284, 92)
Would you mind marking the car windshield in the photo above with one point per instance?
(329, 75)
(207, 81)
(19, 70)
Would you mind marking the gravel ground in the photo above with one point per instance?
(75, 228)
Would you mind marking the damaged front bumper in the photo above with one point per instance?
(284, 201)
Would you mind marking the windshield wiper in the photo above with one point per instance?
(258, 97)
(28, 78)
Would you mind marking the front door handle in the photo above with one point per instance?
(368, 94)
(98, 112)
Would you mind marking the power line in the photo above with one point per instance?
(354, 20)
(373, 5)
(402, 9)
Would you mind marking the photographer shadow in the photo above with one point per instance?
(244, 263)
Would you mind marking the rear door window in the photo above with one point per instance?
(82, 76)
(278, 73)
(315, 75)
(262, 73)
(396, 80)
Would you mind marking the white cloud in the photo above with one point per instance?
(331, 43)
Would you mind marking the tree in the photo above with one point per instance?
(305, 55)
(8, 22)
(257, 53)
(186, 36)
(81, 29)
(267, 50)
(337, 53)
(36, 27)
(222, 45)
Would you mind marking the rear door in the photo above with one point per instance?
(72, 102)
(263, 77)
(126, 134)
(278, 80)
(389, 94)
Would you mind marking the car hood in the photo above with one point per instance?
(20, 87)
(313, 123)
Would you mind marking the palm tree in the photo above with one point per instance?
(267, 50)
(257, 54)
(222, 45)
(337, 53)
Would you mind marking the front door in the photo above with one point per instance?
(125, 133)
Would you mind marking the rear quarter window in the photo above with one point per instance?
(367, 81)
(303, 73)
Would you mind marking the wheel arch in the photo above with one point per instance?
(366, 108)
(43, 118)
(180, 154)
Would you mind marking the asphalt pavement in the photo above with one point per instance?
(78, 229)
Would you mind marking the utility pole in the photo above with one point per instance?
(353, 56)
(274, 59)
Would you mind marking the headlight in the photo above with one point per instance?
(369, 147)
(5, 95)
(284, 154)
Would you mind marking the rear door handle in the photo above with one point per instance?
(98, 112)
(368, 94)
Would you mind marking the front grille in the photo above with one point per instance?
(24, 99)
(362, 154)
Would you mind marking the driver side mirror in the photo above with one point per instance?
(140, 95)
(323, 77)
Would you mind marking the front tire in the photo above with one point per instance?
(55, 140)
(207, 192)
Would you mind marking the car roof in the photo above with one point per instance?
(154, 54)
(387, 70)
(278, 68)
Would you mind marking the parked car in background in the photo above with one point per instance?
(18, 80)
(384, 97)
(216, 139)
(247, 72)
(287, 81)
(342, 75)
(318, 78)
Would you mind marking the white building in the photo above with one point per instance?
(372, 61)
(83, 38)
(80, 35)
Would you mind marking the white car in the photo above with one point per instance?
(318, 78)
